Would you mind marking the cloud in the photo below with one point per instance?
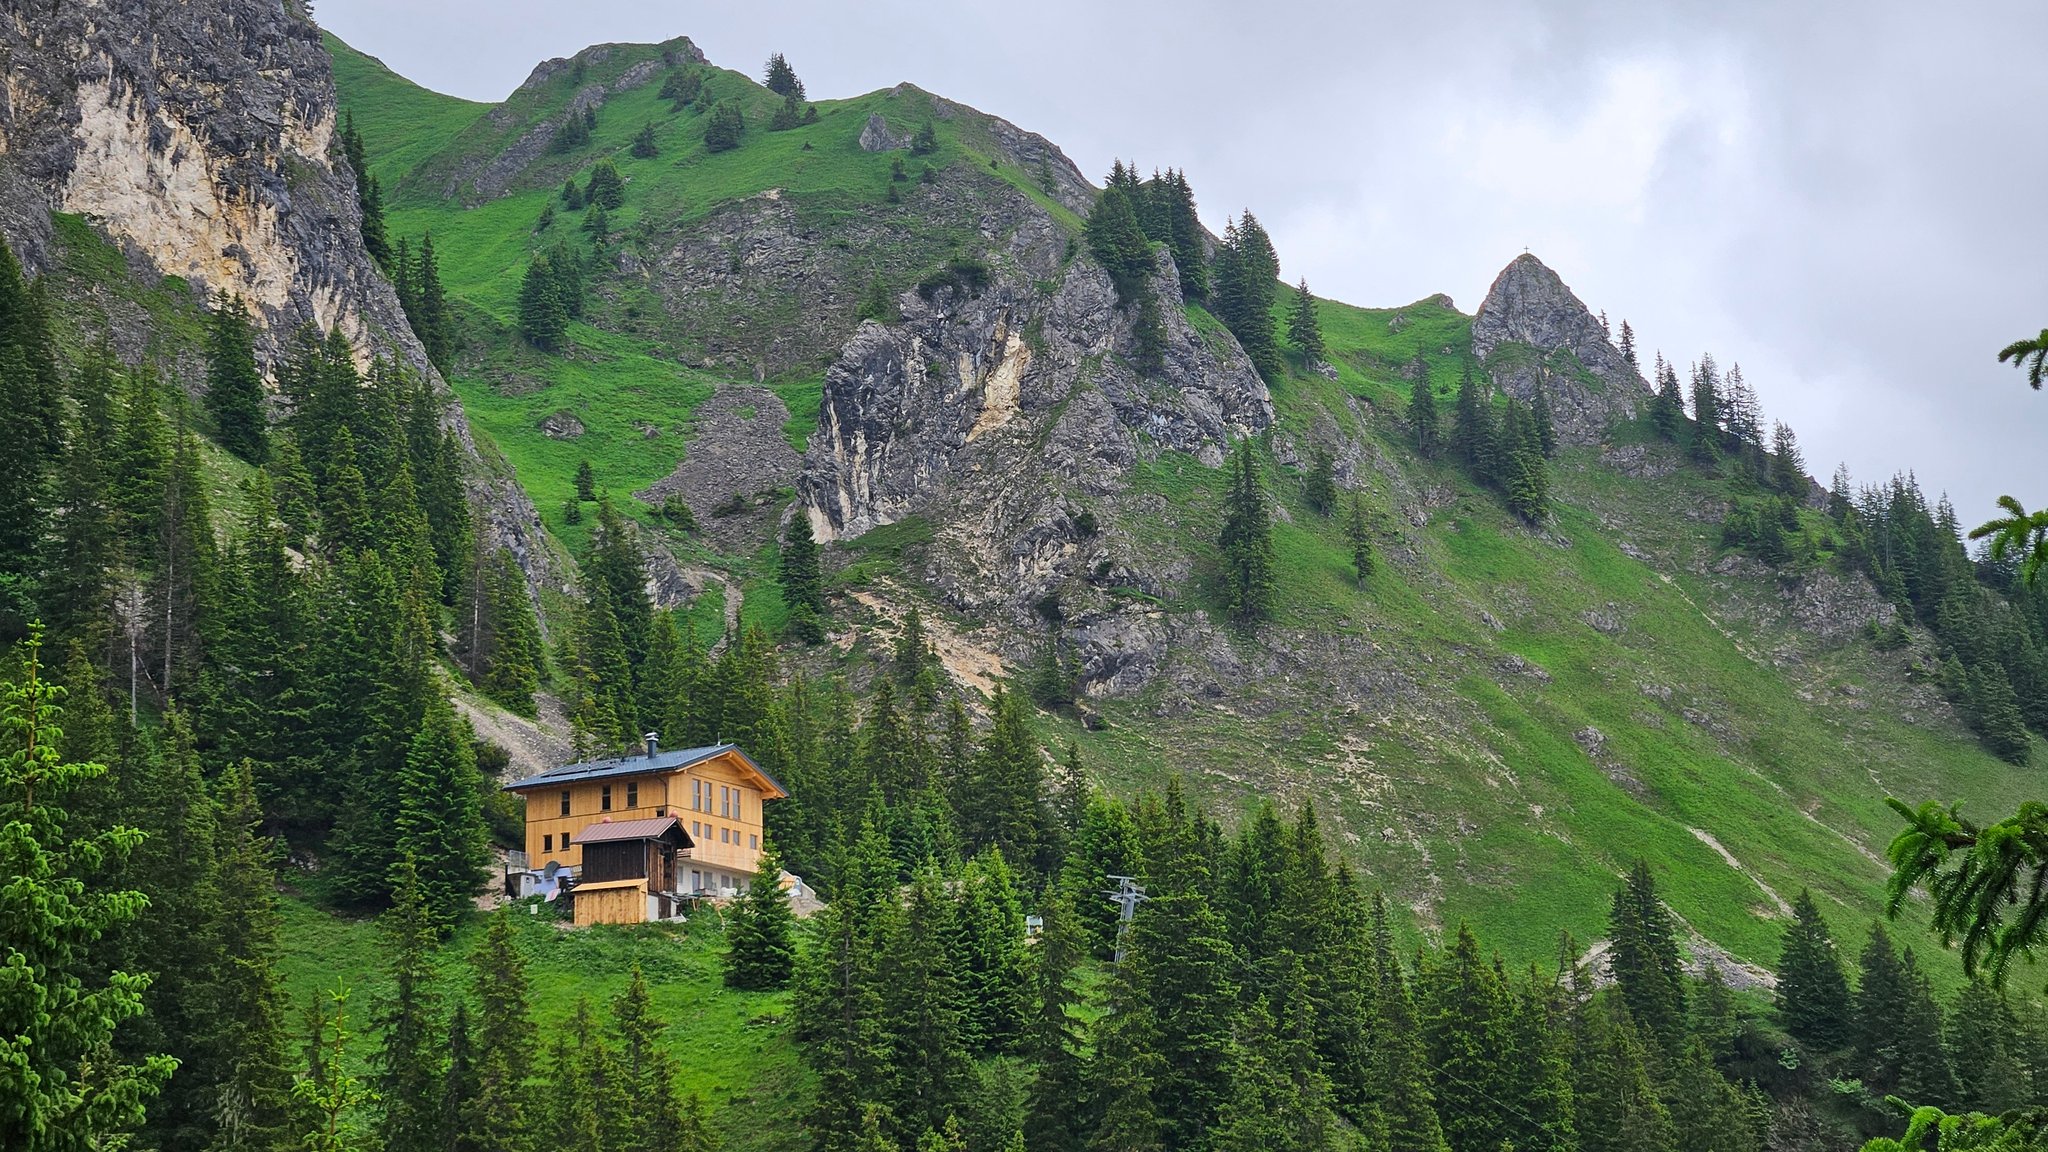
(1832, 198)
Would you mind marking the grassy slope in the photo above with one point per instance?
(1494, 815)
(1505, 821)
(732, 1048)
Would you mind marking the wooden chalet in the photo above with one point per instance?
(638, 836)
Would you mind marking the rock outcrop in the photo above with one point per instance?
(1531, 329)
(199, 135)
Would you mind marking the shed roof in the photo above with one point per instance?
(641, 764)
(609, 885)
(650, 828)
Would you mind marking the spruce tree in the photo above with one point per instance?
(1053, 1045)
(234, 388)
(1616, 1104)
(1246, 541)
(1304, 331)
(1115, 239)
(606, 189)
(1423, 422)
(1643, 959)
(491, 1113)
(1401, 1064)
(760, 940)
(778, 77)
(1464, 1025)
(1707, 1112)
(989, 955)
(1628, 348)
(1707, 415)
(802, 579)
(1813, 992)
(440, 821)
(1542, 422)
(1473, 432)
(247, 1005)
(644, 147)
(1358, 533)
(58, 1088)
(1181, 959)
(1319, 487)
(724, 127)
(1245, 273)
(409, 1068)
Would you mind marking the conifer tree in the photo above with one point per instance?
(440, 821)
(1615, 1101)
(1788, 466)
(1643, 959)
(606, 189)
(409, 1069)
(247, 1004)
(1707, 1112)
(802, 579)
(1464, 1025)
(1628, 348)
(1423, 422)
(925, 1009)
(1473, 432)
(1707, 416)
(1125, 1067)
(839, 1012)
(1667, 407)
(1245, 273)
(1813, 992)
(778, 77)
(234, 388)
(1319, 487)
(1115, 239)
(1007, 780)
(1358, 533)
(644, 147)
(988, 954)
(1304, 331)
(491, 1113)
(724, 127)
(572, 195)
(1401, 1062)
(58, 1089)
(1246, 541)
(1542, 423)
(760, 945)
(543, 311)
(432, 319)
(1052, 1122)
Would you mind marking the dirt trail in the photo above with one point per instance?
(972, 665)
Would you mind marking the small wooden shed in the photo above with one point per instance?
(629, 870)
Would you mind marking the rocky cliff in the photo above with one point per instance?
(199, 135)
(1532, 329)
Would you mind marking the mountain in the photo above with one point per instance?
(1496, 722)
(909, 344)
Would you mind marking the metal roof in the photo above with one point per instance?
(636, 765)
(608, 885)
(650, 828)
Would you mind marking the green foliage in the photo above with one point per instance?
(878, 303)
(1304, 330)
(778, 77)
(1116, 240)
(440, 820)
(1359, 533)
(1246, 273)
(791, 114)
(644, 146)
(234, 386)
(586, 481)
(1319, 486)
(724, 127)
(761, 955)
(60, 1091)
(606, 189)
(925, 140)
(1813, 991)
(802, 579)
(1246, 541)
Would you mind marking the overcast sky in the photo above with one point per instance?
(1845, 199)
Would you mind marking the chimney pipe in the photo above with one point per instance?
(653, 744)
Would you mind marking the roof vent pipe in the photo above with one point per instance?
(653, 744)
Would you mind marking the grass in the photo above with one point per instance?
(1504, 761)
(732, 1048)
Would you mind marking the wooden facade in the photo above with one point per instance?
(713, 795)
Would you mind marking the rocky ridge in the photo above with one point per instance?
(200, 136)
(1531, 329)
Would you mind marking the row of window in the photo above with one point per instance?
(730, 801)
(700, 832)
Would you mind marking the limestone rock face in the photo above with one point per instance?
(875, 136)
(200, 135)
(1000, 416)
(1531, 329)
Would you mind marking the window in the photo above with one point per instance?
(725, 835)
(604, 799)
(724, 801)
(697, 795)
(547, 843)
(633, 794)
(754, 841)
(565, 801)
(565, 841)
